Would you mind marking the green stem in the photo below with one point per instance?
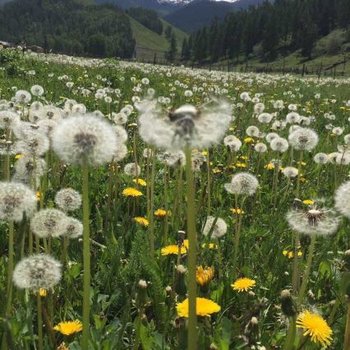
(40, 322)
(10, 268)
(308, 269)
(192, 254)
(289, 344)
(347, 330)
(86, 257)
(151, 207)
(295, 274)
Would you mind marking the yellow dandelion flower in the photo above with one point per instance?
(300, 253)
(131, 192)
(248, 140)
(38, 195)
(42, 292)
(217, 170)
(210, 246)
(69, 327)
(269, 166)
(315, 327)
(204, 153)
(141, 220)
(243, 284)
(285, 252)
(204, 307)
(290, 255)
(241, 165)
(308, 202)
(140, 182)
(161, 213)
(18, 156)
(237, 211)
(173, 249)
(204, 275)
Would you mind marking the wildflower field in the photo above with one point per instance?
(155, 207)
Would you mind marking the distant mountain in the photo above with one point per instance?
(199, 13)
(162, 7)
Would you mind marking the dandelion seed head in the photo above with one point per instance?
(342, 199)
(73, 227)
(48, 223)
(85, 138)
(37, 271)
(242, 184)
(16, 199)
(233, 143)
(321, 158)
(260, 147)
(217, 227)
(314, 221)
(68, 199)
(303, 139)
(290, 172)
(8, 119)
(279, 144)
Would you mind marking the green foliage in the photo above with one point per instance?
(148, 18)
(68, 27)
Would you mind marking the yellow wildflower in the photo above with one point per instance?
(269, 166)
(210, 245)
(140, 182)
(237, 211)
(204, 275)
(141, 220)
(42, 292)
(308, 201)
(315, 327)
(131, 192)
(204, 307)
(69, 327)
(18, 156)
(248, 140)
(243, 284)
(161, 213)
(174, 249)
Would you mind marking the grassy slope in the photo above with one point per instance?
(145, 38)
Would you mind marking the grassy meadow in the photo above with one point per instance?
(249, 216)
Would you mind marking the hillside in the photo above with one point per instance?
(149, 43)
(68, 27)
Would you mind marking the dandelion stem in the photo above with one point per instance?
(40, 322)
(289, 344)
(347, 330)
(192, 254)
(86, 257)
(10, 268)
(151, 207)
(295, 275)
(308, 269)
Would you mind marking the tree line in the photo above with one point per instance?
(271, 29)
(68, 27)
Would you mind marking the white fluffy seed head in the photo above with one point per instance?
(85, 138)
(265, 118)
(321, 158)
(73, 227)
(132, 169)
(16, 199)
(68, 199)
(233, 143)
(260, 147)
(342, 199)
(290, 172)
(48, 223)
(216, 227)
(313, 221)
(37, 271)
(242, 184)
(303, 139)
(252, 131)
(279, 144)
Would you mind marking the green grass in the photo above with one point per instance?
(148, 42)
